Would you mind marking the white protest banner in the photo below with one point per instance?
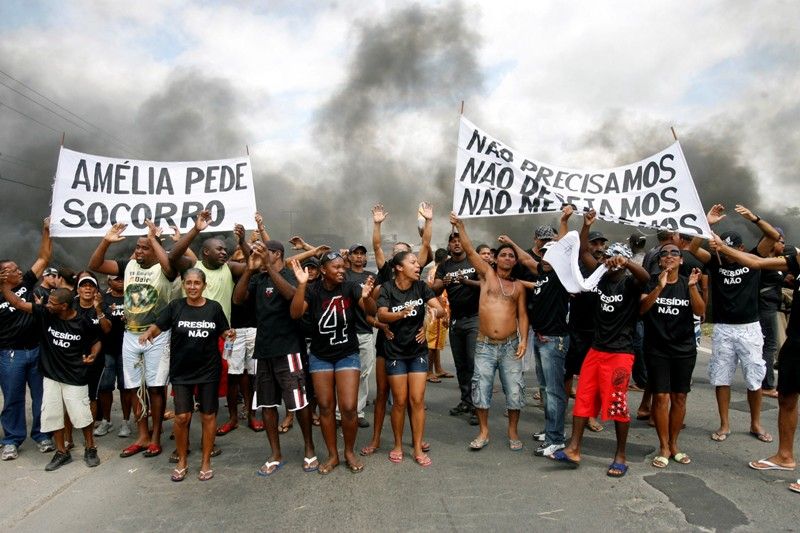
(91, 193)
(493, 179)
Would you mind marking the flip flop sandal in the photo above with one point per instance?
(308, 462)
(215, 451)
(659, 461)
(326, 469)
(434, 380)
(795, 487)
(621, 470)
(354, 468)
(179, 474)
(366, 451)
(205, 475)
(133, 449)
(269, 468)
(256, 425)
(315, 421)
(561, 457)
(425, 446)
(478, 444)
(423, 460)
(515, 445)
(152, 450)
(285, 428)
(765, 464)
(719, 436)
(445, 375)
(173, 457)
(225, 428)
(763, 437)
(596, 427)
(682, 458)
(396, 457)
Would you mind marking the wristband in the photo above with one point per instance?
(757, 220)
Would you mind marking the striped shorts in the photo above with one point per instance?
(280, 378)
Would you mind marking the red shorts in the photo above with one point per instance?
(603, 386)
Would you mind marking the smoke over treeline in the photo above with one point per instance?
(387, 134)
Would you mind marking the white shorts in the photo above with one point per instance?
(55, 397)
(734, 343)
(150, 360)
(241, 357)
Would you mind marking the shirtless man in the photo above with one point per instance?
(502, 337)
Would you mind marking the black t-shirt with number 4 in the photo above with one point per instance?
(194, 340)
(404, 345)
(669, 324)
(64, 343)
(616, 315)
(332, 315)
(734, 292)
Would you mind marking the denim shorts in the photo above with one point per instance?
(348, 362)
(398, 367)
(491, 356)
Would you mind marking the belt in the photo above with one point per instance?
(489, 340)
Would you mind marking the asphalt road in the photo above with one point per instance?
(494, 489)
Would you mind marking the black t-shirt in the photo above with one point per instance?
(18, 329)
(770, 292)
(114, 309)
(734, 292)
(616, 314)
(332, 315)
(278, 334)
(550, 304)
(463, 299)
(405, 345)
(194, 340)
(90, 315)
(243, 316)
(385, 273)
(582, 307)
(793, 327)
(64, 343)
(669, 324)
(361, 317)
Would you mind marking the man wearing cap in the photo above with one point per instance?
(279, 349)
(50, 282)
(357, 255)
(606, 371)
(19, 356)
(463, 300)
(147, 286)
(737, 332)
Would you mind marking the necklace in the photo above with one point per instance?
(513, 287)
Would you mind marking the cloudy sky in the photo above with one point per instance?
(349, 103)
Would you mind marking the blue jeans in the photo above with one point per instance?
(18, 368)
(550, 360)
(491, 357)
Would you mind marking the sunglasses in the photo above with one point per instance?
(667, 253)
(330, 256)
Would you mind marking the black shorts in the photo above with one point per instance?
(281, 378)
(94, 374)
(669, 374)
(789, 367)
(579, 344)
(205, 394)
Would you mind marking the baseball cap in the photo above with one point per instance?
(545, 232)
(50, 271)
(112, 277)
(597, 236)
(732, 239)
(311, 262)
(275, 246)
(357, 246)
(453, 234)
(90, 279)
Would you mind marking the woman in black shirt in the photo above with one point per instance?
(670, 350)
(333, 359)
(195, 364)
(401, 304)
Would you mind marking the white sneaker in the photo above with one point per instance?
(103, 428)
(546, 450)
(124, 429)
(9, 452)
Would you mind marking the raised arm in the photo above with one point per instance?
(481, 266)
(299, 305)
(586, 256)
(425, 253)
(262, 231)
(177, 258)
(45, 250)
(238, 267)
(285, 288)
(98, 261)
(379, 214)
(311, 252)
(161, 255)
(13, 300)
(769, 234)
(366, 302)
(523, 257)
(254, 262)
(746, 259)
(563, 224)
(697, 301)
